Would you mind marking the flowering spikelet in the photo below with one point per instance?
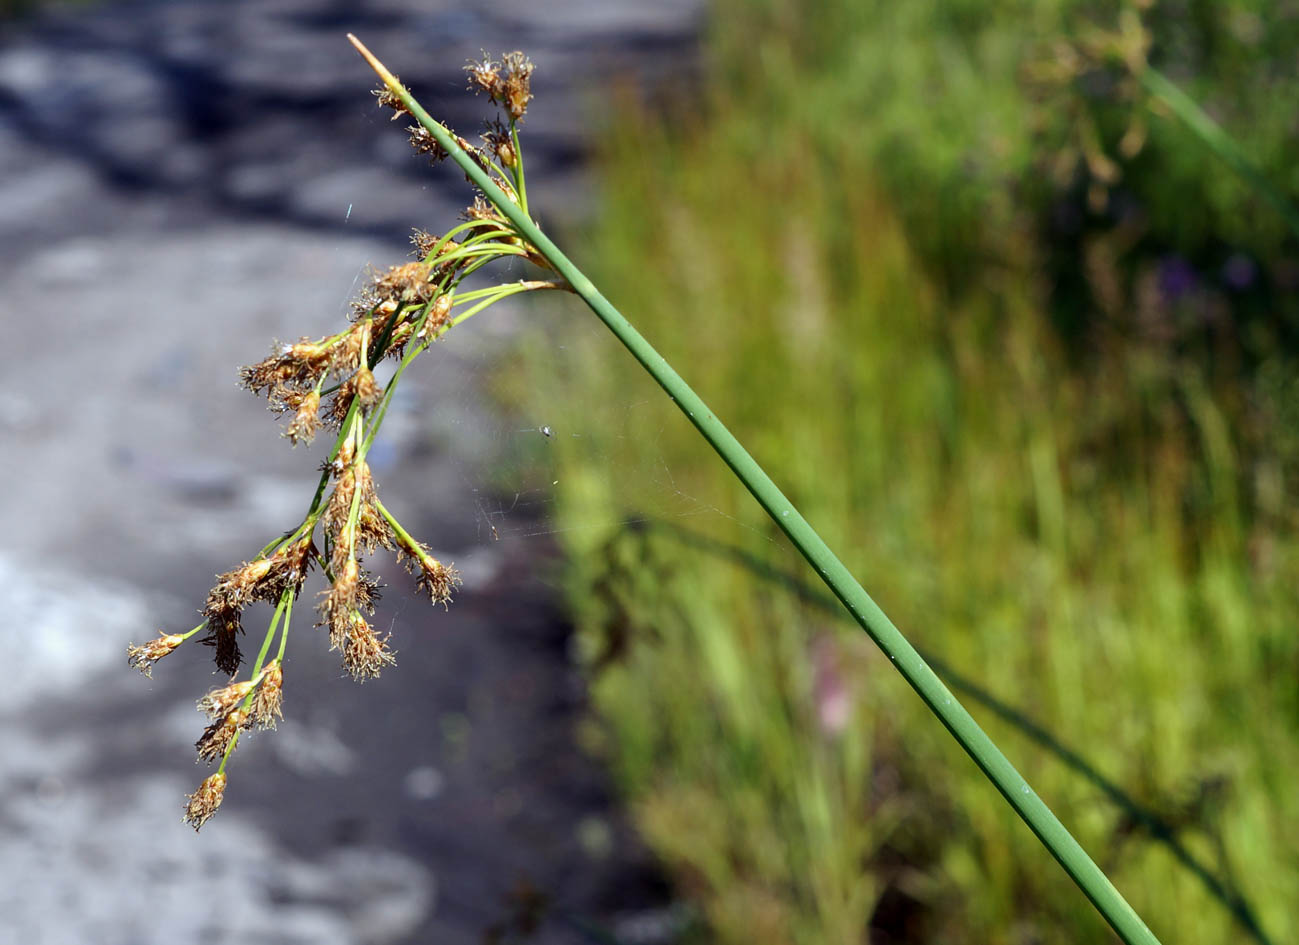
(439, 316)
(406, 283)
(143, 657)
(267, 703)
(307, 419)
(355, 478)
(498, 141)
(204, 802)
(365, 653)
(517, 91)
(398, 339)
(480, 209)
(372, 529)
(486, 75)
(512, 89)
(387, 98)
(352, 347)
(424, 242)
(218, 736)
(424, 143)
(292, 367)
(340, 601)
(237, 588)
(263, 579)
(433, 577)
(365, 388)
(339, 405)
(217, 703)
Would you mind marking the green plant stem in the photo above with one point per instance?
(519, 184)
(284, 633)
(281, 610)
(1044, 824)
(1217, 141)
(391, 519)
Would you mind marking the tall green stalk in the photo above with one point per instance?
(1044, 824)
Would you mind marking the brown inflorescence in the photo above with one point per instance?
(204, 802)
(434, 578)
(424, 143)
(269, 699)
(507, 83)
(218, 737)
(399, 312)
(365, 652)
(306, 419)
(143, 657)
(217, 703)
(498, 141)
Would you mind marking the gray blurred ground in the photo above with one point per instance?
(179, 184)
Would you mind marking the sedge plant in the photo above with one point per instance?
(406, 309)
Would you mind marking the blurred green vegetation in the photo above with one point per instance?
(1023, 351)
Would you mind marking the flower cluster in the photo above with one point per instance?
(507, 83)
(330, 383)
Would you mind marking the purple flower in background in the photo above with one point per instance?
(832, 695)
(1176, 278)
(1238, 272)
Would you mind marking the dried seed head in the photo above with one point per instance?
(217, 737)
(217, 703)
(269, 700)
(307, 420)
(204, 802)
(143, 657)
(517, 92)
(365, 653)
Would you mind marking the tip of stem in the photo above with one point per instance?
(389, 79)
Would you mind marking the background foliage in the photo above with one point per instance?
(1023, 351)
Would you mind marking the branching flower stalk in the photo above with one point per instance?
(405, 310)
(940, 700)
(330, 382)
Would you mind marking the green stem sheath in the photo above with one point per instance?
(1044, 824)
